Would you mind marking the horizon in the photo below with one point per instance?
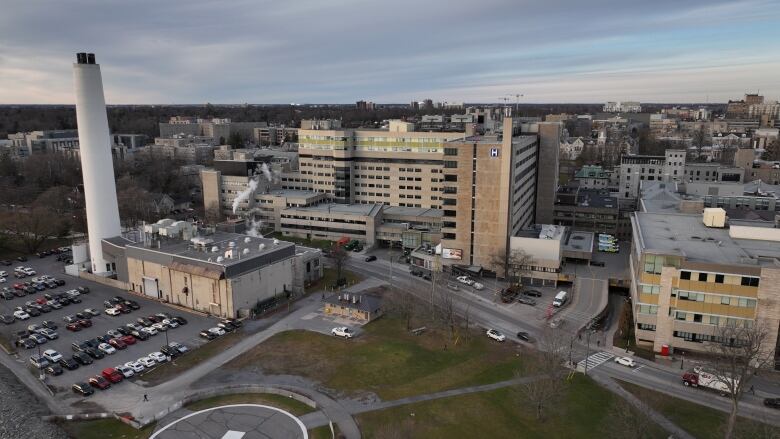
(550, 52)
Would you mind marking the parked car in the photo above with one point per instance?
(117, 343)
(208, 335)
(91, 311)
(126, 372)
(532, 293)
(147, 362)
(526, 301)
(495, 335)
(38, 338)
(83, 389)
(180, 320)
(159, 357)
(99, 382)
(112, 312)
(112, 375)
(94, 353)
(151, 330)
(772, 403)
(39, 362)
(21, 315)
(7, 319)
(127, 339)
(217, 331)
(82, 358)
(135, 366)
(85, 323)
(48, 333)
(464, 280)
(69, 363)
(179, 347)
(107, 348)
(140, 335)
(342, 331)
(53, 369)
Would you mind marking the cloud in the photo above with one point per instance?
(341, 51)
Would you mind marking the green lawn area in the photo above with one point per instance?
(323, 432)
(109, 428)
(387, 360)
(283, 402)
(314, 243)
(700, 421)
(583, 412)
(167, 371)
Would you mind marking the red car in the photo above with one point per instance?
(85, 323)
(41, 301)
(18, 286)
(75, 327)
(112, 375)
(127, 339)
(99, 382)
(117, 343)
(122, 308)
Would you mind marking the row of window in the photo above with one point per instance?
(710, 319)
(748, 281)
(742, 302)
(645, 326)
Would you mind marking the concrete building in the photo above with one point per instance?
(695, 172)
(593, 177)
(637, 168)
(550, 135)
(688, 278)
(593, 210)
(223, 274)
(623, 107)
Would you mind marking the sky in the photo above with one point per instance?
(341, 51)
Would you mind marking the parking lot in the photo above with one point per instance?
(185, 334)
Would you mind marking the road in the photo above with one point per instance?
(490, 314)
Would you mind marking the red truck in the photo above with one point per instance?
(700, 378)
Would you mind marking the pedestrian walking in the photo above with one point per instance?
(752, 390)
(598, 342)
(146, 398)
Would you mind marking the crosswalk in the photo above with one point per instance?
(595, 360)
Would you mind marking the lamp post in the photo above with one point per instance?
(682, 360)
(587, 353)
(167, 346)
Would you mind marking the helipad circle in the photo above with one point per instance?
(236, 421)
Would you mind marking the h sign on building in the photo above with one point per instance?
(493, 152)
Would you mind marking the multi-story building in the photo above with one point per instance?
(593, 210)
(695, 172)
(623, 107)
(593, 177)
(637, 168)
(218, 129)
(690, 275)
(67, 142)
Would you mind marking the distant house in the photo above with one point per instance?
(362, 307)
(163, 203)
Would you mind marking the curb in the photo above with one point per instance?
(77, 417)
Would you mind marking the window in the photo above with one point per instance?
(719, 278)
(450, 178)
(648, 309)
(697, 318)
(645, 326)
(725, 300)
(713, 320)
(679, 315)
(450, 164)
(702, 277)
(685, 275)
(651, 289)
(750, 281)
(450, 151)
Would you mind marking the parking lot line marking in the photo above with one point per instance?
(639, 367)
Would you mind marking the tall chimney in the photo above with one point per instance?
(96, 163)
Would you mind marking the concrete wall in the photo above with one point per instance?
(550, 135)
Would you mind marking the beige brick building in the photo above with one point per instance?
(689, 278)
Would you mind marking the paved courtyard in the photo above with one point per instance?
(239, 421)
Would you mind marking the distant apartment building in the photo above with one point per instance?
(623, 107)
(66, 142)
(712, 172)
(365, 105)
(691, 274)
(571, 148)
(194, 150)
(637, 168)
(218, 129)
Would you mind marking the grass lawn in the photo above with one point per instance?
(322, 244)
(323, 432)
(109, 428)
(583, 412)
(700, 421)
(386, 360)
(329, 278)
(167, 371)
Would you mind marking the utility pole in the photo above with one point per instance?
(587, 353)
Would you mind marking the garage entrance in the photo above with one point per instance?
(150, 287)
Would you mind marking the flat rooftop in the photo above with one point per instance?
(579, 242)
(686, 235)
(294, 193)
(412, 211)
(245, 247)
(346, 209)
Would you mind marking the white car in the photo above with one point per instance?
(2, 280)
(170, 323)
(179, 347)
(136, 366)
(127, 372)
(150, 330)
(477, 286)
(92, 311)
(147, 362)
(3, 273)
(158, 357)
(21, 315)
(342, 331)
(29, 271)
(625, 361)
(159, 326)
(107, 348)
(73, 293)
(465, 280)
(217, 331)
(113, 311)
(52, 355)
(495, 335)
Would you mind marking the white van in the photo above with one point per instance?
(560, 298)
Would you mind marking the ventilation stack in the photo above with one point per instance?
(96, 162)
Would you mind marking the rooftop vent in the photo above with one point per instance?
(247, 240)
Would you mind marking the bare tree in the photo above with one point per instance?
(446, 313)
(518, 262)
(737, 355)
(403, 304)
(339, 256)
(547, 365)
(700, 140)
(772, 151)
(34, 227)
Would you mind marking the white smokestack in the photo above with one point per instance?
(96, 163)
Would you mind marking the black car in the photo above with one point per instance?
(46, 308)
(207, 335)
(59, 282)
(94, 353)
(180, 320)
(82, 358)
(532, 293)
(30, 290)
(169, 351)
(124, 330)
(226, 326)
(370, 258)
(83, 389)
(132, 304)
(104, 338)
(53, 369)
(51, 284)
(82, 290)
(522, 335)
(83, 315)
(772, 402)
(69, 363)
(7, 295)
(7, 319)
(21, 259)
(80, 346)
(144, 321)
(49, 324)
(26, 343)
(5, 263)
(32, 311)
(234, 322)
